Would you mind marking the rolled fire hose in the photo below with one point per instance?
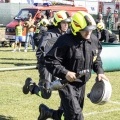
(100, 92)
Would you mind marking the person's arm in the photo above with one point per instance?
(26, 23)
(97, 64)
(22, 28)
(16, 29)
(54, 61)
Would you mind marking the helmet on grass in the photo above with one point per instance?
(82, 21)
(61, 16)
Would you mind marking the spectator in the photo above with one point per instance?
(109, 22)
(106, 35)
(30, 32)
(100, 19)
(18, 38)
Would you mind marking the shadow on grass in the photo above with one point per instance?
(10, 50)
(16, 59)
(18, 64)
(2, 117)
(5, 50)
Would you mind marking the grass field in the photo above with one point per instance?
(14, 105)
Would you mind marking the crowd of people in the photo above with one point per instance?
(64, 49)
(35, 29)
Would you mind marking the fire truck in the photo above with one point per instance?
(36, 12)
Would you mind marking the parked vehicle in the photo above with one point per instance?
(36, 12)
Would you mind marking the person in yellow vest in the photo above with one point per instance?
(18, 38)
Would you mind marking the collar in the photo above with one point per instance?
(80, 38)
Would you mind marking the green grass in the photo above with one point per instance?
(14, 105)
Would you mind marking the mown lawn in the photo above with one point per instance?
(14, 105)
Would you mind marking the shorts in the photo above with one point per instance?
(18, 39)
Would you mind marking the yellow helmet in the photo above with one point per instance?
(82, 21)
(44, 22)
(100, 26)
(61, 16)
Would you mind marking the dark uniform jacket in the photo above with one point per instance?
(37, 36)
(73, 53)
(107, 36)
(47, 41)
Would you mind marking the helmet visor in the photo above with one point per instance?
(89, 28)
(68, 20)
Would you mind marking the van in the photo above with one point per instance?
(36, 12)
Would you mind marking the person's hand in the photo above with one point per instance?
(101, 76)
(71, 76)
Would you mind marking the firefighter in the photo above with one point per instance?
(41, 28)
(106, 35)
(61, 23)
(74, 52)
(61, 26)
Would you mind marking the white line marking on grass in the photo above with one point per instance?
(5, 83)
(115, 102)
(105, 111)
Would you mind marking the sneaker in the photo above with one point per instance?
(25, 50)
(19, 50)
(14, 51)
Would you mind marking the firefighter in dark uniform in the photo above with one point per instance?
(61, 21)
(106, 35)
(73, 52)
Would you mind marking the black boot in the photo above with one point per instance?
(45, 112)
(25, 89)
(31, 87)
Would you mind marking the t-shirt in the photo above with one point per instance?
(18, 30)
